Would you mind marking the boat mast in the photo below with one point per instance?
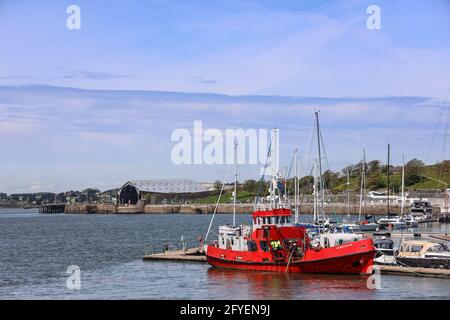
(388, 186)
(403, 186)
(315, 191)
(235, 182)
(348, 195)
(296, 188)
(363, 184)
(274, 162)
(321, 186)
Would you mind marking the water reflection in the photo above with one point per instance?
(266, 285)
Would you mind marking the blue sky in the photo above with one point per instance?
(248, 64)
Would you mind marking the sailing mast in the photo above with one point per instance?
(315, 191)
(348, 195)
(363, 184)
(403, 186)
(321, 186)
(388, 186)
(296, 187)
(235, 182)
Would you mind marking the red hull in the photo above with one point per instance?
(352, 258)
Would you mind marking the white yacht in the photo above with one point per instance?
(394, 222)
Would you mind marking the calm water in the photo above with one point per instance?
(35, 251)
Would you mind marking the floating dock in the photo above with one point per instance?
(189, 255)
(422, 272)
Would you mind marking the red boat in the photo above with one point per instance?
(274, 244)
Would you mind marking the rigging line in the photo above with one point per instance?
(308, 162)
(437, 125)
(217, 203)
(289, 184)
(264, 173)
(325, 157)
(444, 147)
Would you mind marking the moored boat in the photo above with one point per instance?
(391, 222)
(274, 244)
(423, 254)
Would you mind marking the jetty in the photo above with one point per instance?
(52, 208)
(412, 271)
(187, 255)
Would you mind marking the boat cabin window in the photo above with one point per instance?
(416, 248)
(263, 245)
(252, 246)
(437, 248)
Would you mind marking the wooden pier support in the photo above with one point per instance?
(52, 208)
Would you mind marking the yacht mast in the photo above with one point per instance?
(388, 185)
(363, 184)
(296, 188)
(403, 186)
(321, 186)
(315, 191)
(274, 162)
(348, 195)
(235, 182)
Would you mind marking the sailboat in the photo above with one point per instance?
(410, 220)
(366, 224)
(346, 224)
(272, 243)
(445, 209)
(390, 221)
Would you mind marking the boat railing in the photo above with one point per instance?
(269, 206)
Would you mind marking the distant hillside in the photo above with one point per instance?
(417, 176)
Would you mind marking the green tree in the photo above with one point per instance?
(373, 166)
(218, 185)
(375, 181)
(413, 171)
(251, 186)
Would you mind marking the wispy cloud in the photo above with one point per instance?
(93, 75)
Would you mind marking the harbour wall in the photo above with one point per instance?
(338, 209)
